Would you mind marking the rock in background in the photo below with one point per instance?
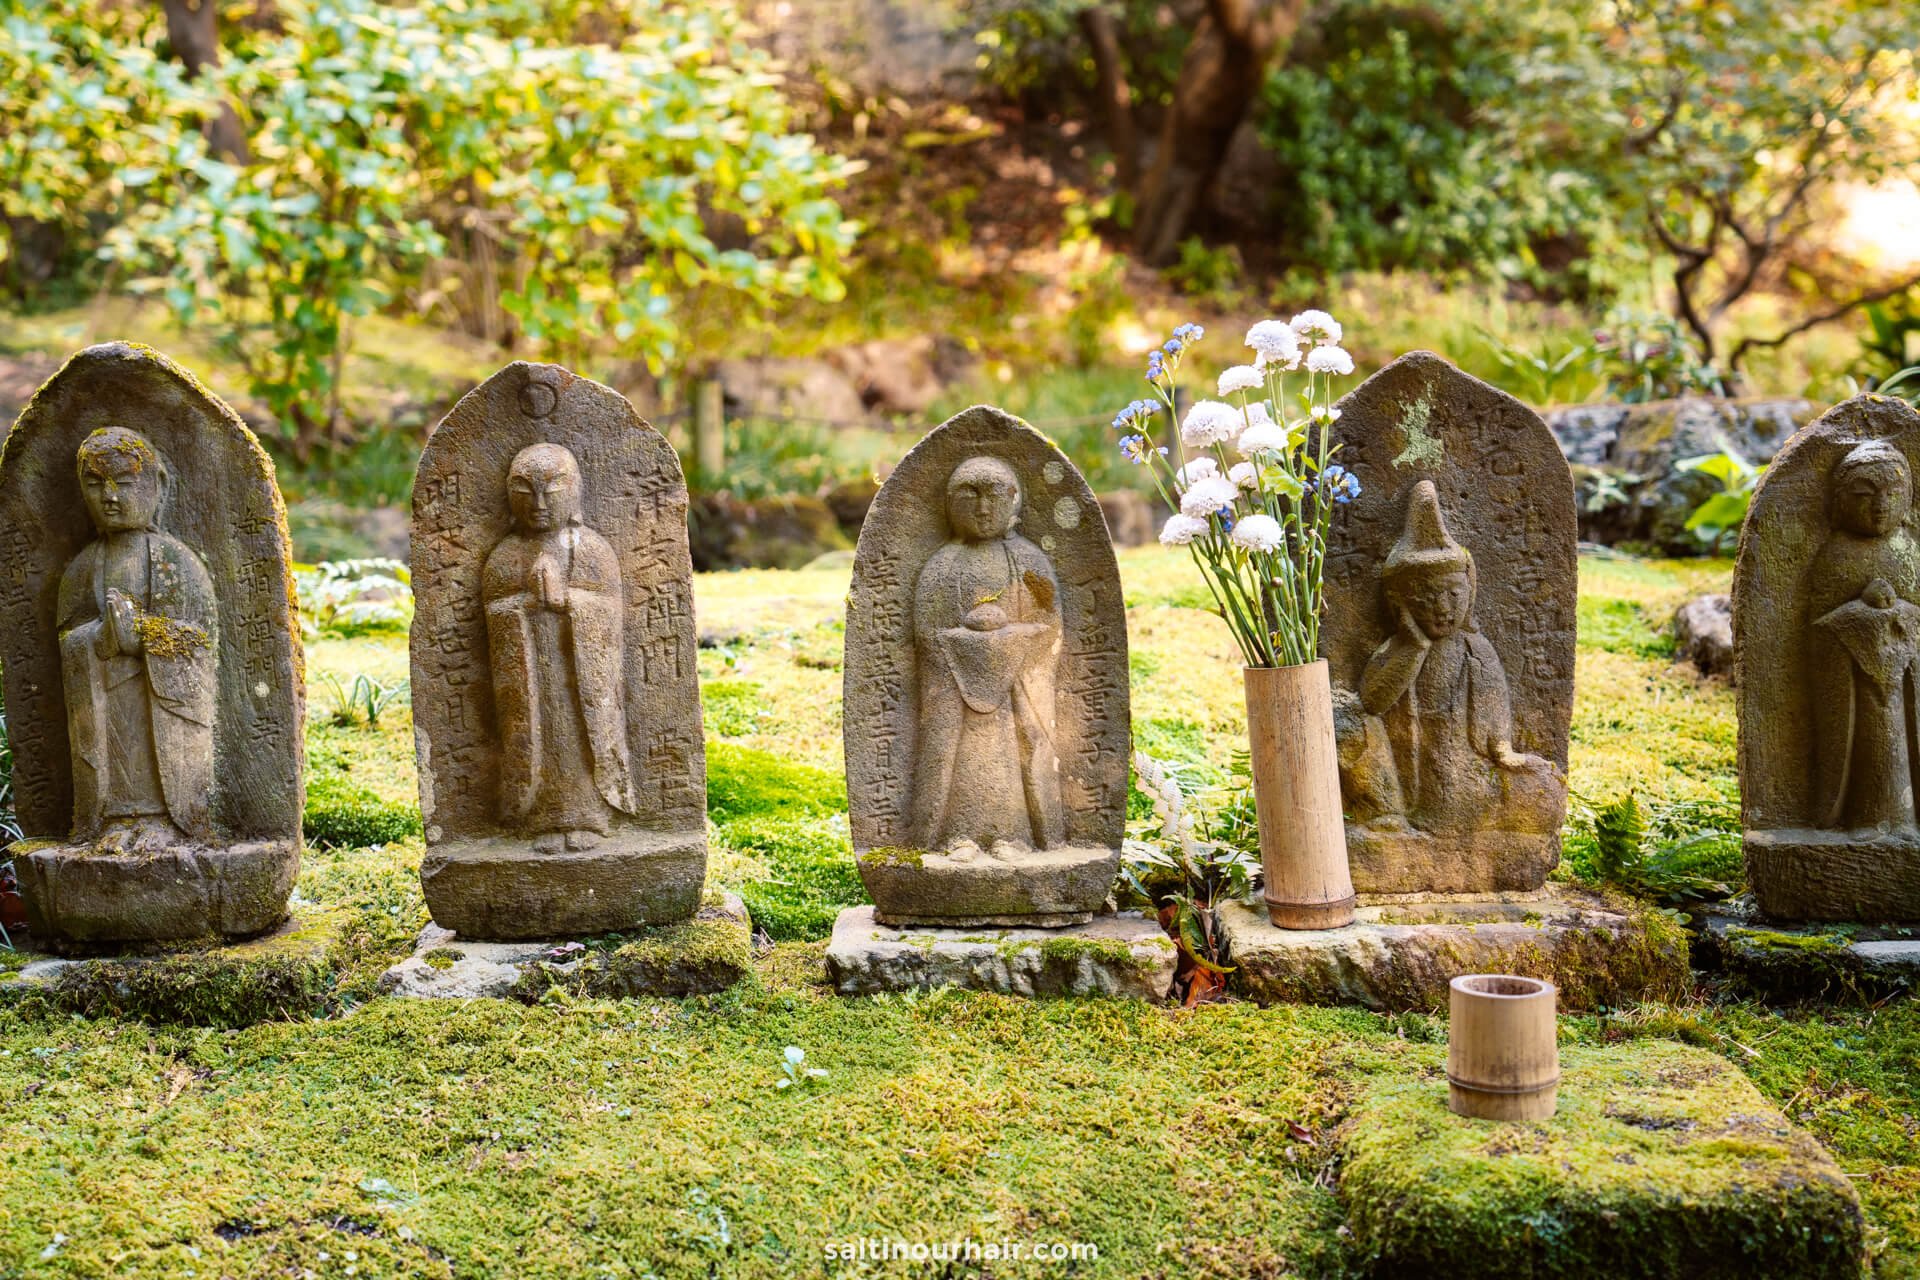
(1633, 448)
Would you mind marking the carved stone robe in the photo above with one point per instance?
(1863, 766)
(140, 723)
(987, 631)
(557, 687)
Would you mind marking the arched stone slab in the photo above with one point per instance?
(193, 700)
(556, 701)
(1826, 668)
(1449, 465)
(986, 721)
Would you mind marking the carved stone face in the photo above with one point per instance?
(543, 488)
(983, 499)
(1440, 602)
(1872, 500)
(120, 476)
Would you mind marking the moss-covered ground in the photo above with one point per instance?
(581, 1137)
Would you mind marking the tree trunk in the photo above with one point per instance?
(193, 31)
(1220, 75)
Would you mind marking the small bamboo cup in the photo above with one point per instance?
(1503, 1054)
(1296, 791)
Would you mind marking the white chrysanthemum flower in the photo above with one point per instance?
(1329, 360)
(1274, 343)
(1204, 497)
(1208, 423)
(1242, 377)
(1180, 530)
(1263, 436)
(1244, 474)
(1259, 532)
(1197, 469)
(1316, 327)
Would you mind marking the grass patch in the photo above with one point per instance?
(343, 814)
(1621, 626)
(809, 874)
(731, 707)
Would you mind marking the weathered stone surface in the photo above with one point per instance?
(556, 709)
(893, 375)
(1826, 596)
(986, 716)
(708, 953)
(1703, 634)
(767, 533)
(1828, 963)
(288, 973)
(1132, 519)
(1449, 631)
(1637, 445)
(1402, 955)
(154, 678)
(1663, 1160)
(1121, 955)
(787, 387)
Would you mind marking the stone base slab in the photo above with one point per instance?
(1662, 1160)
(81, 900)
(502, 889)
(1825, 962)
(1472, 862)
(1401, 955)
(1045, 888)
(707, 953)
(1835, 875)
(288, 973)
(1121, 955)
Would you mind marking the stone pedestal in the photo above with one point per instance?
(1047, 888)
(1401, 953)
(1662, 1160)
(1119, 955)
(500, 888)
(708, 953)
(1847, 963)
(79, 899)
(288, 973)
(1835, 875)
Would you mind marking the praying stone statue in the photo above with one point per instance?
(1450, 634)
(1827, 640)
(986, 685)
(556, 706)
(155, 689)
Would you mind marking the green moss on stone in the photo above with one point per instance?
(288, 974)
(1814, 965)
(1662, 1161)
(1100, 951)
(895, 856)
(706, 954)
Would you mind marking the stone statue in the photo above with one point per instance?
(1440, 751)
(155, 684)
(554, 608)
(1864, 644)
(556, 702)
(1826, 625)
(987, 628)
(986, 721)
(1449, 634)
(138, 651)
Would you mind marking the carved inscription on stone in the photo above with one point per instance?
(154, 678)
(986, 697)
(557, 714)
(1450, 633)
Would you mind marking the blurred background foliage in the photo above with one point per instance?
(343, 213)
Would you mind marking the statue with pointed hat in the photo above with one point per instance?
(1436, 725)
(1449, 634)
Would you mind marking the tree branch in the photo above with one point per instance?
(1821, 317)
(1116, 96)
